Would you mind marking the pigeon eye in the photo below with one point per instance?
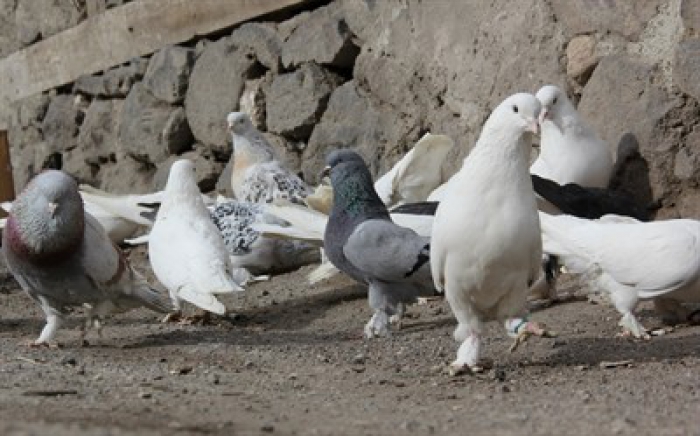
(554, 101)
(515, 109)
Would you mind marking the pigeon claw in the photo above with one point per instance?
(530, 329)
(456, 369)
(37, 344)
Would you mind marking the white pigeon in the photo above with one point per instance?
(631, 261)
(570, 150)
(186, 249)
(486, 246)
(418, 172)
(257, 175)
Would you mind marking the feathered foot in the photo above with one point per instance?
(467, 355)
(522, 329)
(377, 326)
(202, 317)
(632, 327)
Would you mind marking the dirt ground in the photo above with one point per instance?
(292, 361)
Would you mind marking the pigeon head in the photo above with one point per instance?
(353, 189)
(182, 181)
(238, 123)
(247, 139)
(515, 116)
(555, 104)
(47, 219)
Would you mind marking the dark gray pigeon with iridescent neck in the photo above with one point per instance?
(62, 257)
(362, 241)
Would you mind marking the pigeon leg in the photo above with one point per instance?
(521, 329)
(53, 322)
(172, 317)
(467, 354)
(632, 327)
(202, 317)
(396, 320)
(378, 325)
(625, 300)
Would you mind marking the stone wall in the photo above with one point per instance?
(376, 75)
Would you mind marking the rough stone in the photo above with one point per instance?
(9, 42)
(603, 16)
(215, 88)
(32, 109)
(687, 160)
(686, 67)
(24, 144)
(351, 121)
(97, 140)
(581, 58)
(126, 176)
(322, 37)
(262, 41)
(62, 121)
(296, 100)
(40, 19)
(207, 169)
(253, 100)
(114, 83)
(150, 129)
(168, 73)
(621, 98)
(690, 14)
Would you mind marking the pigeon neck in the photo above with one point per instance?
(33, 236)
(355, 197)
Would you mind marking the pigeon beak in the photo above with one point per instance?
(52, 208)
(543, 115)
(325, 173)
(533, 126)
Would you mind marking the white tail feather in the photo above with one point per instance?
(204, 301)
(324, 271)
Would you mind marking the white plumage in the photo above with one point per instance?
(486, 246)
(631, 260)
(418, 172)
(570, 150)
(186, 250)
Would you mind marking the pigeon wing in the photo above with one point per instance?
(383, 251)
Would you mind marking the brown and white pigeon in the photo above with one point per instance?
(62, 257)
(257, 175)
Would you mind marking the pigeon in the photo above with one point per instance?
(257, 175)
(417, 173)
(361, 240)
(186, 249)
(570, 150)
(631, 261)
(250, 250)
(120, 215)
(591, 203)
(486, 246)
(62, 257)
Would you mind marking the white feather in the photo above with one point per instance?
(186, 250)
(418, 172)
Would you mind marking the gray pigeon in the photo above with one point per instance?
(362, 241)
(62, 257)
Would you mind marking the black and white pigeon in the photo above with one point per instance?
(62, 257)
(249, 250)
(257, 175)
(362, 241)
(486, 246)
